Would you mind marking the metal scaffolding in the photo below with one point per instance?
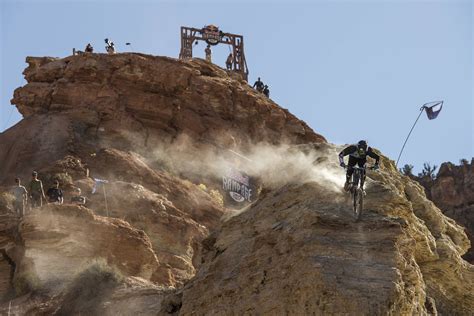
(213, 36)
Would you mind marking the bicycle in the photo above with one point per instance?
(356, 190)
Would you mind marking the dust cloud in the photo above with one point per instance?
(273, 165)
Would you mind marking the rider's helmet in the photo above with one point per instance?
(362, 146)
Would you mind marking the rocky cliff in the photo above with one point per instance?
(159, 238)
(452, 191)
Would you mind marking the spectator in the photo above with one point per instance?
(110, 48)
(266, 91)
(228, 62)
(36, 191)
(77, 198)
(208, 53)
(21, 198)
(258, 85)
(89, 48)
(55, 194)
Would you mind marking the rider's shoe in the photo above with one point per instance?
(347, 186)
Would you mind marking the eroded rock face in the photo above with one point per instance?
(143, 123)
(297, 251)
(58, 241)
(101, 116)
(175, 236)
(131, 296)
(156, 98)
(453, 192)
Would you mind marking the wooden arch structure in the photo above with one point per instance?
(213, 36)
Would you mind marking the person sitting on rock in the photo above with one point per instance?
(266, 91)
(258, 85)
(357, 155)
(36, 191)
(55, 194)
(21, 198)
(89, 48)
(77, 198)
(228, 62)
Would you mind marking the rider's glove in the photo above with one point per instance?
(376, 167)
(342, 164)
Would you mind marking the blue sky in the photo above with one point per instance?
(350, 69)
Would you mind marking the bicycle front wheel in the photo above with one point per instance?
(358, 203)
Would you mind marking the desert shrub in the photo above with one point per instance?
(26, 282)
(407, 170)
(215, 194)
(65, 180)
(6, 202)
(428, 171)
(90, 287)
(217, 197)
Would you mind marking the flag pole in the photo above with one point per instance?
(403, 147)
(105, 199)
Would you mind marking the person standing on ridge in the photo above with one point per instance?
(258, 85)
(110, 48)
(208, 53)
(357, 155)
(36, 191)
(55, 194)
(21, 198)
(228, 62)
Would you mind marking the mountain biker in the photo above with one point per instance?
(357, 155)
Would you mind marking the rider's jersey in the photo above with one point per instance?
(359, 153)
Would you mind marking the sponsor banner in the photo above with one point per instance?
(211, 34)
(237, 184)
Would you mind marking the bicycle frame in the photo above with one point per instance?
(357, 191)
(357, 176)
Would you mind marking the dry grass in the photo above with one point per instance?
(26, 282)
(6, 202)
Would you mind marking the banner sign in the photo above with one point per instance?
(211, 34)
(237, 184)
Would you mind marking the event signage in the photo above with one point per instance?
(237, 184)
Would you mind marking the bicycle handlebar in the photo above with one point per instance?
(362, 168)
